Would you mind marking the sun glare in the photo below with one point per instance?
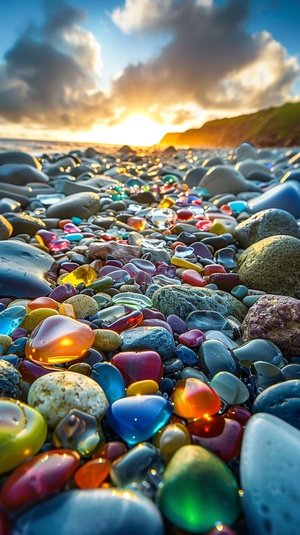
(138, 130)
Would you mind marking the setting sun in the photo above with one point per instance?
(138, 129)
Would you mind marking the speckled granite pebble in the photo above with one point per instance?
(277, 319)
(264, 224)
(10, 380)
(54, 394)
(84, 305)
(182, 300)
(272, 265)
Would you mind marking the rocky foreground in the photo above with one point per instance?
(150, 342)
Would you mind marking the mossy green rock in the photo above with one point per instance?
(272, 265)
(198, 491)
(182, 300)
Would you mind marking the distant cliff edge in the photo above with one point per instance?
(266, 128)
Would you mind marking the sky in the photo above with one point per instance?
(128, 71)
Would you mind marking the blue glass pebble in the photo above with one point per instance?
(186, 354)
(11, 318)
(137, 418)
(238, 206)
(110, 379)
(18, 346)
(76, 236)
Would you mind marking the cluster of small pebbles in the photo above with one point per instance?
(150, 342)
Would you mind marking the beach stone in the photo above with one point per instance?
(281, 400)
(55, 394)
(65, 513)
(248, 166)
(106, 340)
(10, 380)
(225, 179)
(154, 338)
(245, 151)
(272, 265)
(193, 176)
(81, 205)
(125, 253)
(285, 196)
(198, 491)
(84, 305)
(23, 223)
(9, 205)
(18, 157)
(265, 224)
(276, 319)
(25, 271)
(182, 300)
(269, 464)
(6, 228)
(21, 174)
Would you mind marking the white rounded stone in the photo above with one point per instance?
(55, 394)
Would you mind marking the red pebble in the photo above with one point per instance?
(38, 478)
(138, 366)
(193, 278)
(213, 268)
(221, 436)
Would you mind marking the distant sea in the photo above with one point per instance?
(37, 148)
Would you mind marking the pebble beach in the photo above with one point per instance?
(149, 340)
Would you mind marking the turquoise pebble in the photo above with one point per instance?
(11, 318)
(249, 300)
(238, 206)
(110, 379)
(76, 220)
(240, 291)
(75, 236)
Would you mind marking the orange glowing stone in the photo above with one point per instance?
(66, 309)
(42, 302)
(92, 474)
(193, 398)
(138, 223)
(59, 339)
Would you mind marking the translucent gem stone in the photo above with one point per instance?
(194, 399)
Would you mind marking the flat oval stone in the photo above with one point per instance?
(266, 374)
(182, 300)
(259, 349)
(49, 470)
(198, 491)
(269, 467)
(59, 339)
(154, 338)
(54, 394)
(65, 512)
(16, 260)
(170, 438)
(22, 433)
(281, 400)
(83, 205)
(138, 418)
(231, 389)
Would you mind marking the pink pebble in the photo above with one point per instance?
(193, 277)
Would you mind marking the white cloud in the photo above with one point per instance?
(137, 15)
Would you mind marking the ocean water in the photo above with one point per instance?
(37, 148)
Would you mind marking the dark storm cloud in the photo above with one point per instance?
(210, 59)
(49, 75)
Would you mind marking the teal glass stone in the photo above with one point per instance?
(11, 318)
(110, 379)
(138, 418)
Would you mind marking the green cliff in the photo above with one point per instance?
(266, 128)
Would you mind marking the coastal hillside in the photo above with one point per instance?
(266, 128)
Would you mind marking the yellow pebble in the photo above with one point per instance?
(5, 342)
(181, 262)
(106, 340)
(142, 388)
(84, 305)
(85, 274)
(170, 438)
(66, 309)
(166, 202)
(34, 317)
(222, 226)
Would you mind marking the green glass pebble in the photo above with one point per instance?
(198, 491)
(230, 388)
(249, 300)
(23, 431)
(132, 300)
(240, 291)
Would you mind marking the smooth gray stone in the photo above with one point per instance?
(281, 400)
(91, 512)
(25, 271)
(269, 470)
(264, 224)
(81, 205)
(21, 174)
(18, 157)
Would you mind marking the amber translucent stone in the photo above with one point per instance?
(92, 474)
(193, 398)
